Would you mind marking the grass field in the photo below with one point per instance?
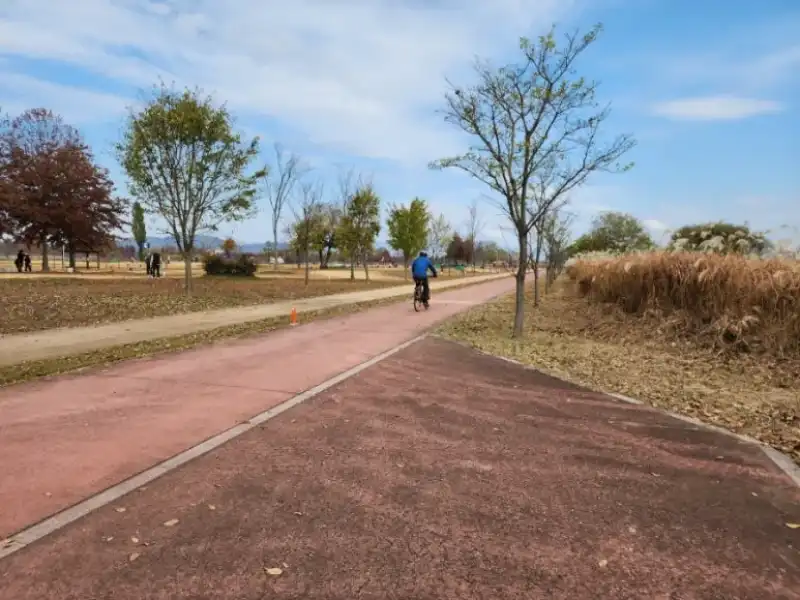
(175, 269)
(38, 303)
(603, 347)
(27, 371)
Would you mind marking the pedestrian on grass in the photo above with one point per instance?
(155, 264)
(20, 261)
(148, 261)
(27, 260)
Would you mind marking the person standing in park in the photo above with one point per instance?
(27, 259)
(155, 264)
(20, 261)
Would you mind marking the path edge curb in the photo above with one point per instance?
(21, 539)
(779, 459)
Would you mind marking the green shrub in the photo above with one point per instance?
(243, 265)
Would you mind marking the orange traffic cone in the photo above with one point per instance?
(293, 317)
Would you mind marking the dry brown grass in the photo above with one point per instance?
(603, 347)
(14, 374)
(27, 371)
(34, 304)
(729, 302)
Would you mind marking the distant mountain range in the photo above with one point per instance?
(203, 242)
(210, 242)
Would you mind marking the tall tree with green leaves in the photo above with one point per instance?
(613, 232)
(536, 135)
(186, 164)
(325, 232)
(360, 225)
(308, 214)
(138, 228)
(408, 229)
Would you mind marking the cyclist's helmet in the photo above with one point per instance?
(423, 253)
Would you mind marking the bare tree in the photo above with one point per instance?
(556, 240)
(474, 228)
(536, 130)
(440, 234)
(550, 235)
(307, 210)
(279, 185)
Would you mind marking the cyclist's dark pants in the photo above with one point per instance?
(426, 290)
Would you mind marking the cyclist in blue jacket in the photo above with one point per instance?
(419, 271)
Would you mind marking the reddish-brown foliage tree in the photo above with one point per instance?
(51, 190)
(91, 212)
(30, 174)
(459, 250)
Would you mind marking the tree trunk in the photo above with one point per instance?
(405, 267)
(71, 254)
(536, 260)
(519, 298)
(353, 266)
(275, 247)
(547, 281)
(45, 254)
(87, 261)
(323, 262)
(307, 266)
(366, 267)
(187, 272)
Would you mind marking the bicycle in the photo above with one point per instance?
(418, 291)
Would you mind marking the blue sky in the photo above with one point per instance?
(710, 89)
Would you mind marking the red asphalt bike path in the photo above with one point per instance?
(67, 438)
(439, 473)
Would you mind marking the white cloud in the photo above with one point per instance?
(655, 225)
(76, 105)
(773, 68)
(659, 230)
(715, 108)
(361, 76)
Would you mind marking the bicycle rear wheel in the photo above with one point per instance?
(417, 298)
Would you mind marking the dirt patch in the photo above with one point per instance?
(471, 478)
(36, 304)
(604, 348)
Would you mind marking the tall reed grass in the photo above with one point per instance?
(746, 304)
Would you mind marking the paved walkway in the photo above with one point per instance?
(441, 474)
(69, 437)
(41, 345)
